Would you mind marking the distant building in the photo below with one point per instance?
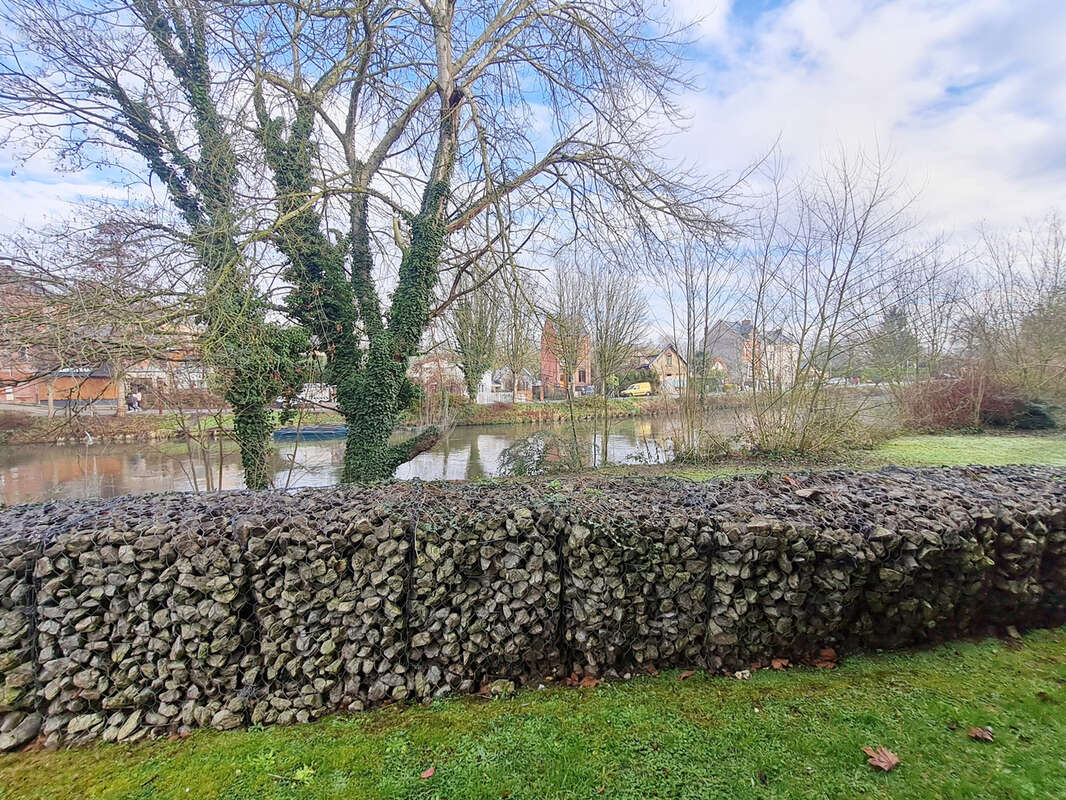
(551, 373)
(667, 363)
(436, 371)
(502, 385)
(749, 357)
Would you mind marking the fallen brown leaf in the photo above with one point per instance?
(780, 663)
(589, 682)
(981, 734)
(826, 658)
(652, 670)
(688, 673)
(882, 758)
(573, 680)
(428, 773)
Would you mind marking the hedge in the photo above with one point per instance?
(144, 616)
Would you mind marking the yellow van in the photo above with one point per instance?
(642, 389)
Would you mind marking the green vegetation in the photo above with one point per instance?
(955, 450)
(950, 450)
(790, 734)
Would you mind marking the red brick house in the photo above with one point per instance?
(552, 375)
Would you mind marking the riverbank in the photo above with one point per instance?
(17, 428)
(911, 450)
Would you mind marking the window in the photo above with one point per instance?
(670, 359)
(581, 376)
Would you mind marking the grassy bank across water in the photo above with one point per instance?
(24, 428)
(923, 450)
(790, 734)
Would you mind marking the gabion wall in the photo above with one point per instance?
(150, 615)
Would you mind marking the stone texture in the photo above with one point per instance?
(144, 616)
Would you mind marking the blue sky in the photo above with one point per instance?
(968, 96)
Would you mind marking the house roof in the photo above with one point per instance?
(650, 357)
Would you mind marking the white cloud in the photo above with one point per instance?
(708, 17)
(968, 95)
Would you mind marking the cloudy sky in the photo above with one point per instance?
(968, 96)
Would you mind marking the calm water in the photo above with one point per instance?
(43, 472)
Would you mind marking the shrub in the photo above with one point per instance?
(973, 401)
(540, 453)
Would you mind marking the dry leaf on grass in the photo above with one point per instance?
(780, 663)
(981, 734)
(688, 673)
(652, 670)
(826, 658)
(589, 682)
(882, 758)
(428, 773)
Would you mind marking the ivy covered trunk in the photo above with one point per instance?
(367, 350)
(251, 429)
(371, 405)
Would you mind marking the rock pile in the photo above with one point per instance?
(142, 616)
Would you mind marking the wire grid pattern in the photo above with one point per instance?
(142, 616)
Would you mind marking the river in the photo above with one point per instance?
(34, 473)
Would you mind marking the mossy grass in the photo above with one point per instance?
(790, 734)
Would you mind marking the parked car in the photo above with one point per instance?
(587, 390)
(642, 389)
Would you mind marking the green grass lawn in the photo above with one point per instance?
(956, 450)
(791, 734)
(921, 450)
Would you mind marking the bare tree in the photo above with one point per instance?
(415, 125)
(615, 318)
(566, 335)
(474, 321)
(823, 255)
(517, 348)
(697, 278)
(1018, 307)
(141, 84)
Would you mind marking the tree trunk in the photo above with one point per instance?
(603, 445)
(251, 427)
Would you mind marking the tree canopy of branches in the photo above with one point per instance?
(137, 80)
(419, 126)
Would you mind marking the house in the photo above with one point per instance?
(667, 363)
(780, 356)
(750, 357)
(551, 372)
(438, 371)
(730, 346)
(504, 388)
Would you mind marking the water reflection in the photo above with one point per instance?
(44, 472)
